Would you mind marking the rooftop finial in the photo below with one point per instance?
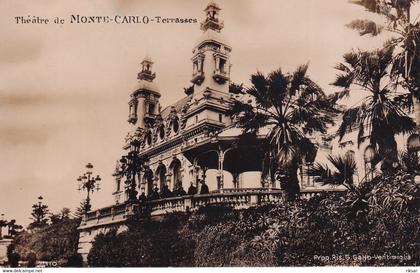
(146, 70)
(212, 18)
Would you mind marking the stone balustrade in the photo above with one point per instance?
(237, 198)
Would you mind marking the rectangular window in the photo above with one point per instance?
(118, 185)
(196, 119)
(220, 118)
(222, 65)
(151, 109)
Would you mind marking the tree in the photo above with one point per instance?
(13, 228)
(405, 40)
(380, 112)
(39, 213)
(64, 214)
(81, 210)
(292, 106)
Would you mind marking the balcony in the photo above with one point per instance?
(132, 118)
(198, 78)
(220, 76)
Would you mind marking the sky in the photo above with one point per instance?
(64, 88)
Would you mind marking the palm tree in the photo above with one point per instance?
(405, 41)
(345, 168)
(293, 107)
(380, 112)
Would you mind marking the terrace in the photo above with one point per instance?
(236, 198)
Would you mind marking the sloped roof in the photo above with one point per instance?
(211, 35)
(146, 85)
(178, 106)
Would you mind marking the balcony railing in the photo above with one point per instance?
(237, 198)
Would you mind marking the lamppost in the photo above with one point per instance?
(131, 166)
(88, 182)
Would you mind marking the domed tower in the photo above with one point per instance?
(211, 65)
(144, 101)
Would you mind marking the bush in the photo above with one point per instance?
(75, 261)
(146, 243)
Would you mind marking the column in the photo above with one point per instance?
(169, 180)
(195, 173)
(221, 157)
(217, 65)
(235, 180)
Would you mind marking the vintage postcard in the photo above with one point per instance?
(205, 133)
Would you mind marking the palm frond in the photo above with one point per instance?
(298, 77)
(349, 119)
(365, 27)
(277, 87)
(370, 5)
(321, 173)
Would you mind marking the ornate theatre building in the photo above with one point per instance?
(185, 141)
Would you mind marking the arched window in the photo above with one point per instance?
(177, 174)
(149, 139)
(175, 126)
(148, 177)
(161, 175)
(161, 132)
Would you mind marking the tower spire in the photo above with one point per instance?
(211, 66)
(144, 100)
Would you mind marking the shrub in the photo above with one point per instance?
(146, 243)
(75, 260)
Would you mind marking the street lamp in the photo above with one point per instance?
(131, 166)
(88, 182)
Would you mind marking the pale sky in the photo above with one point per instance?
(64, 88)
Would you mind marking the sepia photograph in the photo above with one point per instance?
(200, 133)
